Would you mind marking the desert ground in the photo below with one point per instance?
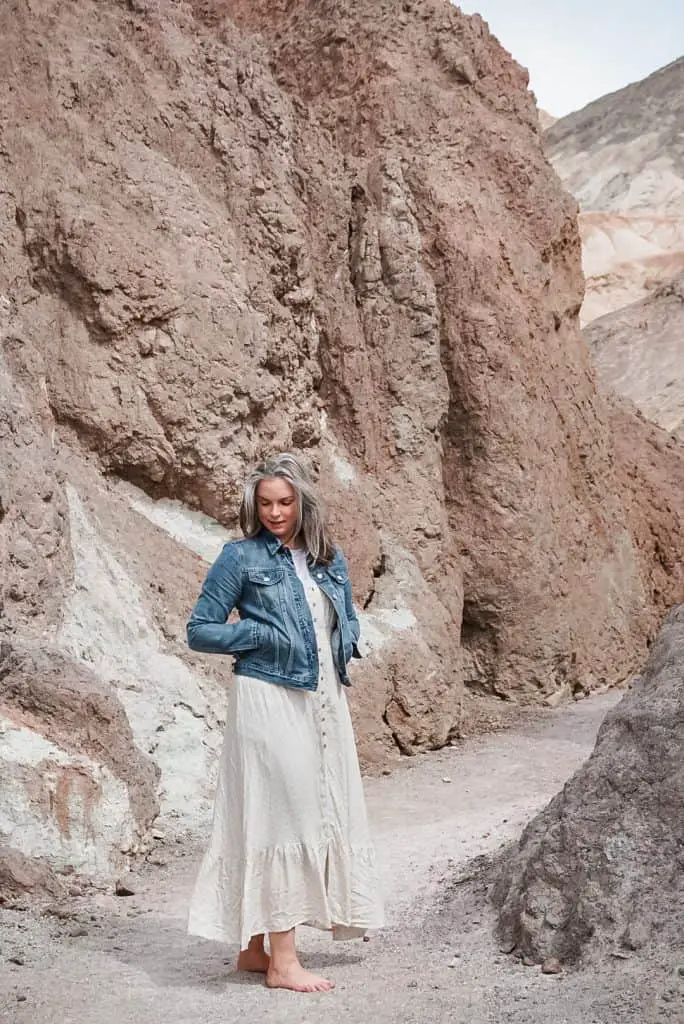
(439, 820)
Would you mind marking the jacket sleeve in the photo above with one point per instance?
(352, 617)
(207, 628)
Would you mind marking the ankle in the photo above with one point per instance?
(284, 961)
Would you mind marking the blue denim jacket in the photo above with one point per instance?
(274, 639)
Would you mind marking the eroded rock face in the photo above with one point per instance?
(230, 229)
(602, 868)
(20, 875)
(74, 789)
(639, 353)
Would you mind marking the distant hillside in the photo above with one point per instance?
(622, 157)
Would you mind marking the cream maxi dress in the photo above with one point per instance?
(290, 842)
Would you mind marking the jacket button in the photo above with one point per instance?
(320, 575)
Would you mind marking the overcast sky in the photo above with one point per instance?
(578, 51)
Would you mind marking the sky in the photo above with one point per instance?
(576, 52)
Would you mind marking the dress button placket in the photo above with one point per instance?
(319, 624)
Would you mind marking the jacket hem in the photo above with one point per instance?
(255, 673)
(267, 677)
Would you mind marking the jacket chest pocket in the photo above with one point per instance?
(265, 587)
(332, 579)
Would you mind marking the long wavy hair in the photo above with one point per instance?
(312, 529)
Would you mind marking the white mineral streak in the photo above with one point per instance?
(106, 626)
(64, 807)
(194, 530)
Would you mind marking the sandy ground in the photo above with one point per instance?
(103, 959)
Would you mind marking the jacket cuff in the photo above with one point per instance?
(256, 635)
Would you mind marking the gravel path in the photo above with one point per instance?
(116, 960)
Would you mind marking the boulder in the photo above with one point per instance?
(601, 869)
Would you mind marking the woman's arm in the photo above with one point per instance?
(352, 618)
(207, 628)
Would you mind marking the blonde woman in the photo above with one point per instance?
(290, 842)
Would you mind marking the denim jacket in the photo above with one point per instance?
(274, 639)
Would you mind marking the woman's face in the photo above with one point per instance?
(277, 507)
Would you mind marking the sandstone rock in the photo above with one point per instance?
(603, 866)
(34, 550)
(639, 354)
(63, 702)
(489, 491)
(230, 228)
(20, 873)
(552, 966)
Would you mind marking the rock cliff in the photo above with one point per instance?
(232, 228)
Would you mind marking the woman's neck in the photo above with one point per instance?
(294, 542)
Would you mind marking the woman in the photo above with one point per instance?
(290, 841)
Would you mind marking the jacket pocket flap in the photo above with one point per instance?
(264, 577)
(338, 575)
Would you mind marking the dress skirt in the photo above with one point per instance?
(290, 842)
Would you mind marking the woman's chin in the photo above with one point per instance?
(283, 533)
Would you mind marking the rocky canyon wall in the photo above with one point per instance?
(229, 229)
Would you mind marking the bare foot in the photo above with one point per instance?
(294, 977)
(253, 960)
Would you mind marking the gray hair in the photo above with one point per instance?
(311, 525)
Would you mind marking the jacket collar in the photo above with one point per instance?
(273, 544)
(270, 540)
